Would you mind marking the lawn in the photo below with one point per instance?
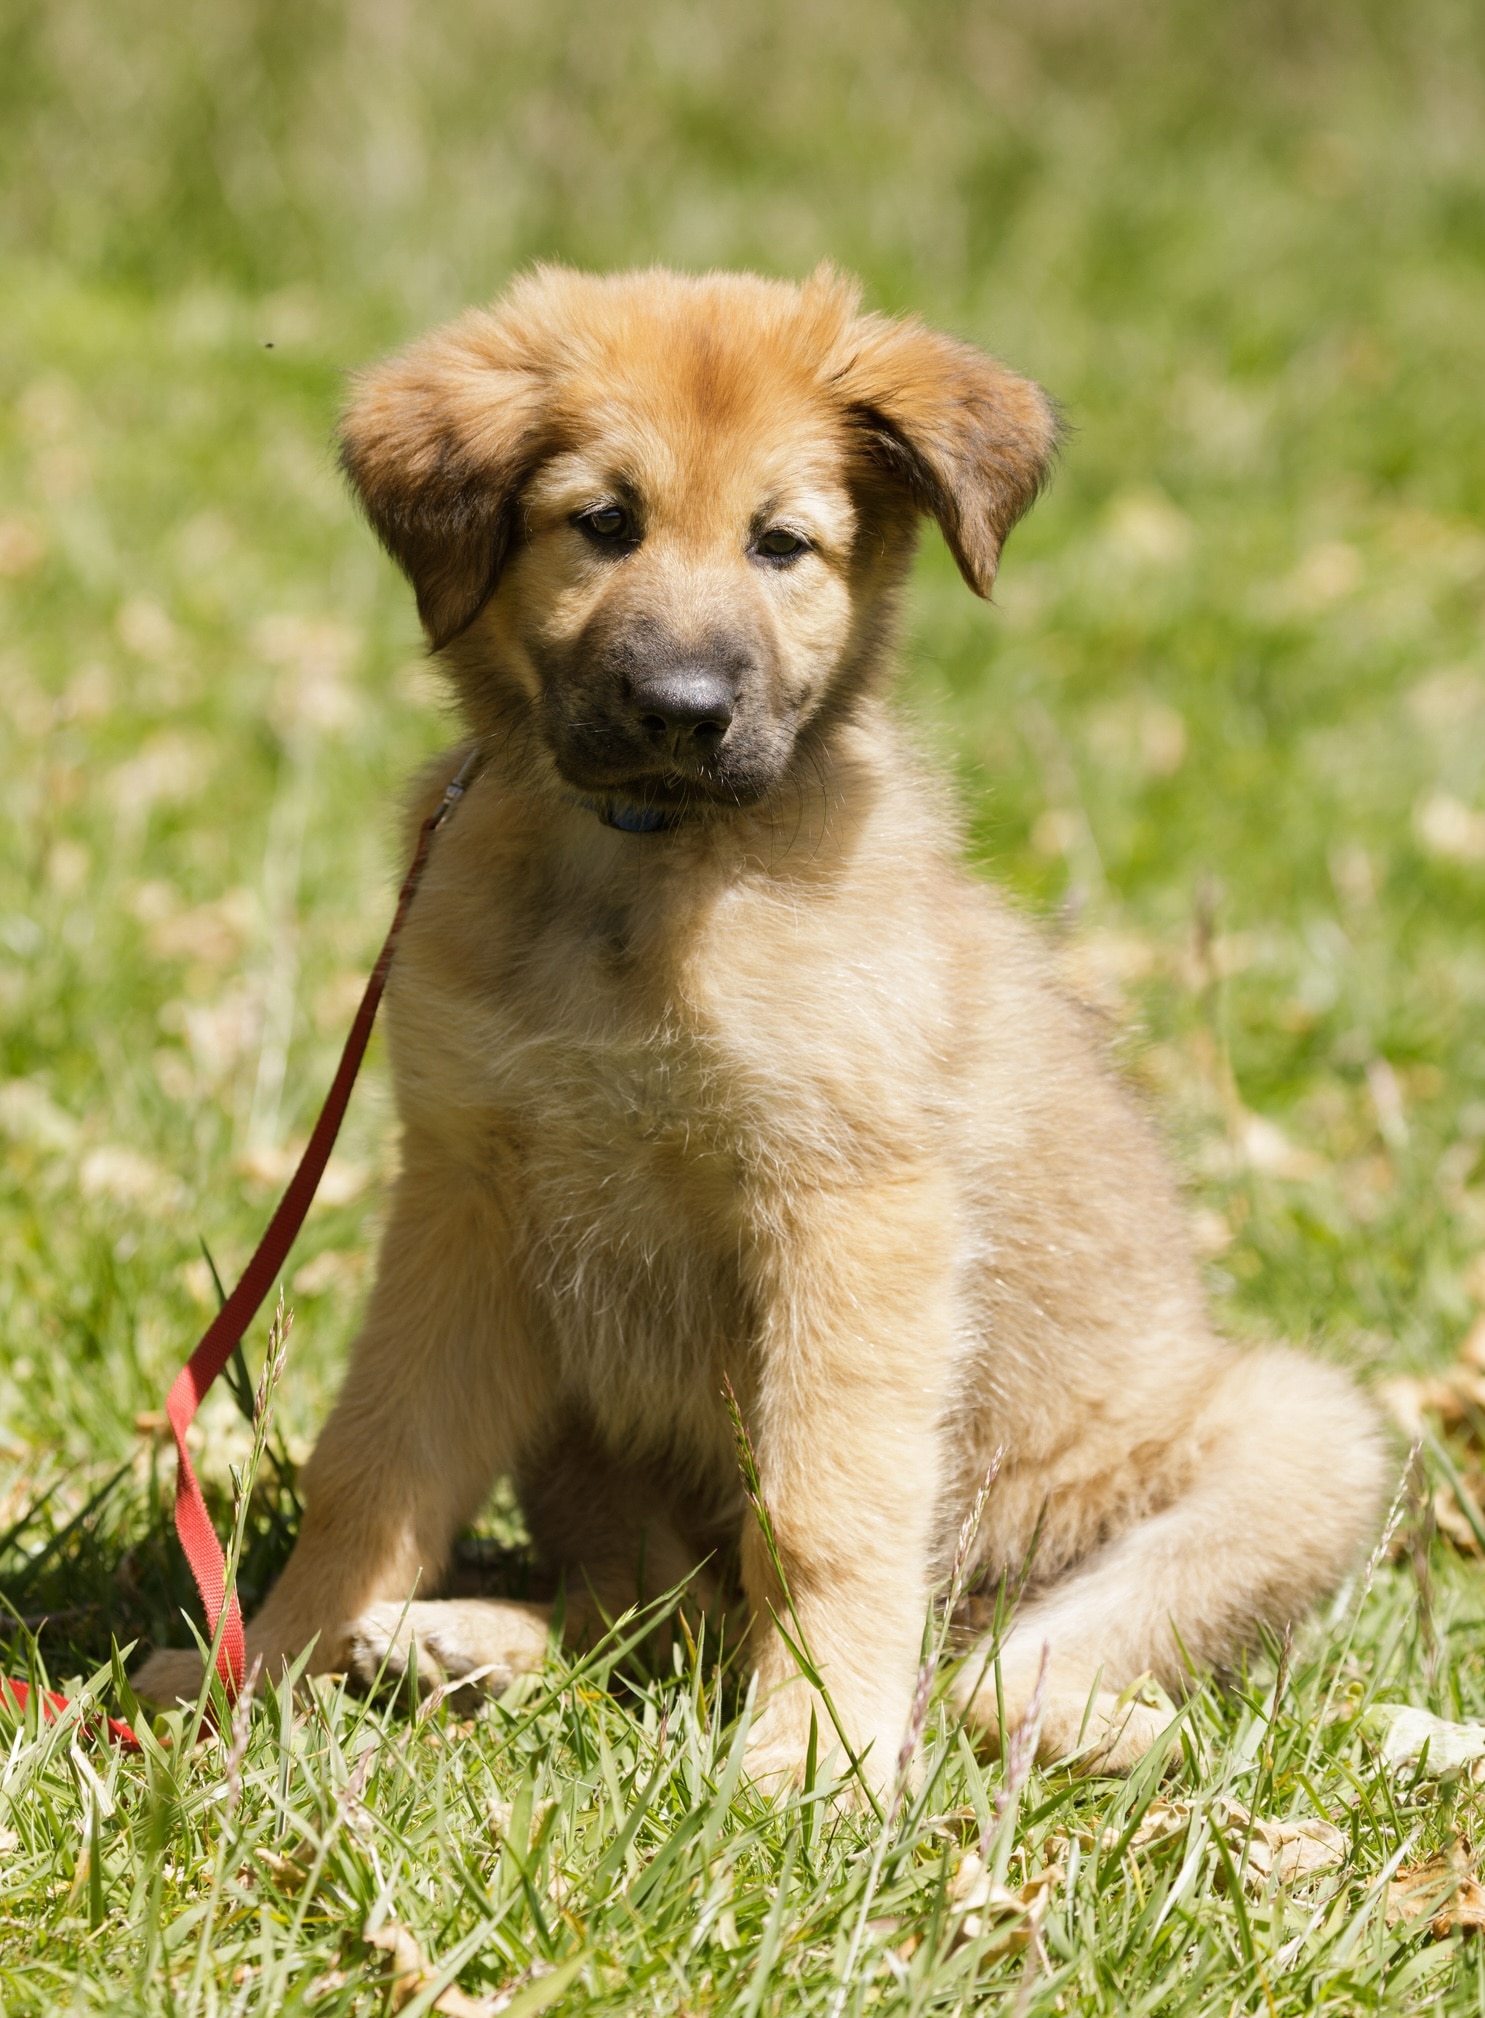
(1223, 729)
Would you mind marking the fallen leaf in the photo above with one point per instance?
(500, 1811)
(289, 1871)
(1289, 1851)
(1161, 1822)
(1409, 1398)
(1450, 1518)
(1442, 1889)
(983, 1908)
(412, 1972)
(1293, 1851)
(1449, 1393)
(1401, 1732)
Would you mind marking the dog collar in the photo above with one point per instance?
(634, 819)
(626, 816)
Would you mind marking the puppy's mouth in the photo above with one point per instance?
(654, 805)
(645, 801)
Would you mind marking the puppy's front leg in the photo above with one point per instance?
(855, 1367)
(437, 1401)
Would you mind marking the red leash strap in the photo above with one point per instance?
(16, 1695)
(198, 1538)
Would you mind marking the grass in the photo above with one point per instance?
(1225, 729)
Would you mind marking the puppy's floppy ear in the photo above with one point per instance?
(437, 444)
(970, 441)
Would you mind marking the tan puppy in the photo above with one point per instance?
(712, 1061)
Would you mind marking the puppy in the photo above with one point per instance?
(713, 1064)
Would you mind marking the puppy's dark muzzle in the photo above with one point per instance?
(683, 713)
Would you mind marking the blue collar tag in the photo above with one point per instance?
(636, 819)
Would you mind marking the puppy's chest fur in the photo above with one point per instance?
(637, 1131)
(631, 1214)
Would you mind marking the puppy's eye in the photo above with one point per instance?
(610, 525)
(778, 544)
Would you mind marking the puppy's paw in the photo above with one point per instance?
(774, 1759)
(478, 1644)
(174, 1675)
(170, 1676)
(1104, 1733)
(777, 1750)
(1082, 1725)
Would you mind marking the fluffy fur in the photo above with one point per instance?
(770, 1089)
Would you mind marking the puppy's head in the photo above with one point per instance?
(655, 523)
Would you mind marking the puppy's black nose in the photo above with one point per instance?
(686, 709)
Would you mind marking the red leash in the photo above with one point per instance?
(198, 1539)
(16, 1695)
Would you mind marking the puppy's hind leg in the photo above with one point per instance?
(1289, 1485)
(614, 1532)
